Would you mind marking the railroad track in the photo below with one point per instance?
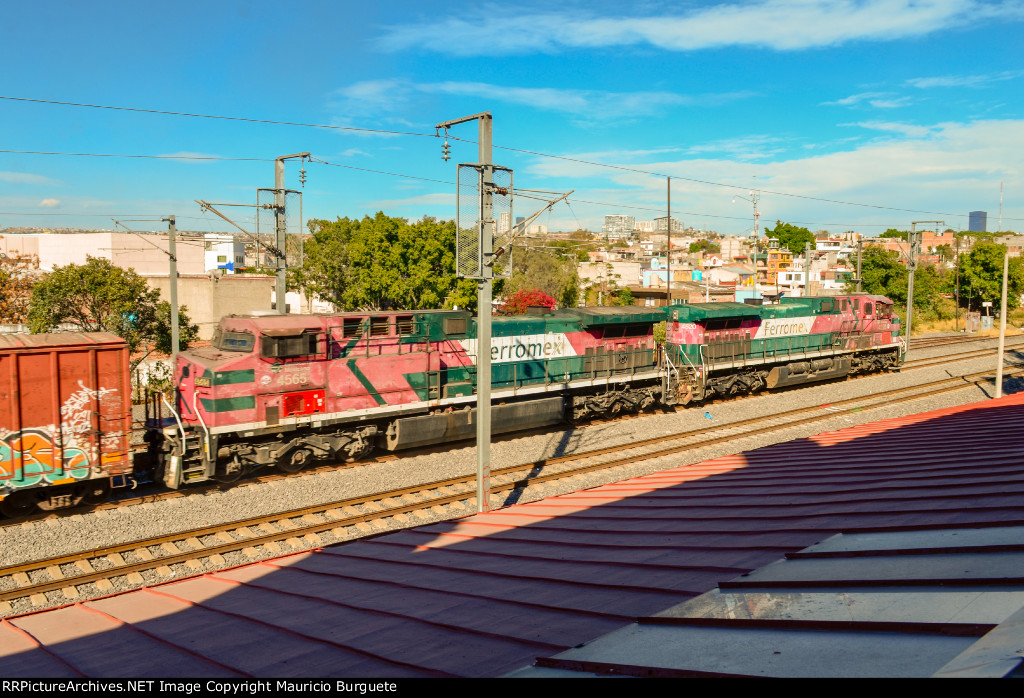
(151, 561)
(272, 475)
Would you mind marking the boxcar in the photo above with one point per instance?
(65, 419)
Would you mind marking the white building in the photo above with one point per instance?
(222, 252)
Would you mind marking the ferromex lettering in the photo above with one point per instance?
(527, 347)
(784, 327)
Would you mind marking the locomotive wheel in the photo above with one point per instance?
(95, 492)
(296, 461)
(230, 477)
(18, 504)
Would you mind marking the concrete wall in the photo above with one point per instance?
(209, 299)
(146, 254)
(595, 272)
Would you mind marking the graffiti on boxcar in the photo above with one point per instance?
(30, 456)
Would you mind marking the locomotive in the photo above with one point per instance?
(288, 390)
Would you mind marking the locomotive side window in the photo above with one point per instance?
(380, 326)
(306, 345)
(352, 327)
(404, 324)
(826, 306)
(234, 341)
(867, 308)
(454, 325)
(845, 305)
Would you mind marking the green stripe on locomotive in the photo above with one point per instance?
(710, 315)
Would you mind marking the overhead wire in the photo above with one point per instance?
(622, 168)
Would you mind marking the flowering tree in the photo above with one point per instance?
(519, 302)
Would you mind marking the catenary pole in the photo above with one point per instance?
(1002, 325)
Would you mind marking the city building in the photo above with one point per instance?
(978, 221)
(223, 252)
(618, 226)
(662, 225)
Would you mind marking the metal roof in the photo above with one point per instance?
(492, 593)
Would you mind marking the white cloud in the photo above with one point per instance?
(188, 156)
(947, 169)
(25, 178)
(880, 100)
(49, 203)
(776, 24)
(964, 80)
(384, 97)
(908, 130)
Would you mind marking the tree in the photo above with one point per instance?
(792, 237)
(893, 233)
(384, 263)
(99, 297)
(981, 271)
(883, 274)
(546, 270)
(704, 245)
(16, 279)
(624, 297)
(519, 302)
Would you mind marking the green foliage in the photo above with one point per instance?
(659, 333)
(981, 277)
(545, 270)
(791, 237)
(576, 249)
(704, 245)
(897, 234)
(884, 275)
(98, 296)
(383, 263)
(624, 297)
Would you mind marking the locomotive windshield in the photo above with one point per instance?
(233, 341)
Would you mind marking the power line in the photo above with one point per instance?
(448, 182)
(215, 116)
(143, 157)
(621, 168)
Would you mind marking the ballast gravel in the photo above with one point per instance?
(80, 532)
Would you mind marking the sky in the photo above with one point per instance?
(833, 114)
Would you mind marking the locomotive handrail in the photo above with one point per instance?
(176, 419)
(202, 423)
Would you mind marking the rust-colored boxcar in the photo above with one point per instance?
(65, 419)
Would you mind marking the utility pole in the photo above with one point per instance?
(172, 272)
(668, 258)
(172, 252)
(914, 242)
(1002, 325)
(753, 245)
(807, 269)
(281, 226)
(484, 287)
(860, 254)
(956, 295)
